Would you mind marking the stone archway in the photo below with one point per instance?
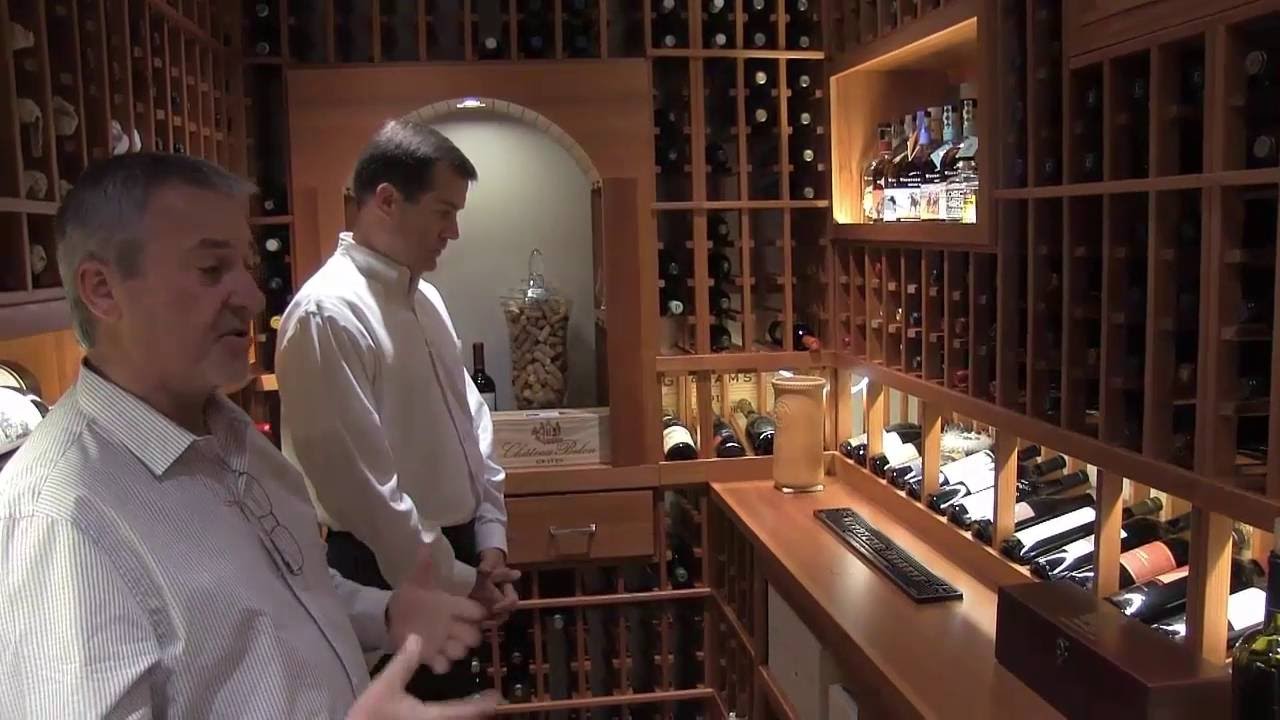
(459, 106)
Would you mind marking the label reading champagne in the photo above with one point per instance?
(1246, 608)
(967, 468)
(1047, 529)
(1148, 561)
(675, 435)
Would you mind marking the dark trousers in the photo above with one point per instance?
(356, 562)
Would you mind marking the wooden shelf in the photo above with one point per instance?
(1233, 178)
(945, 234)
(28, 315)
(701, 472)
(268, 220)
(763, 361)
(579, 478)
(937, 34)
(667, 696)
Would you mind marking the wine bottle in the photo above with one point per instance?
(680, 561)
(721, 302)
(849, 448)
(1029, 470)
(1042, 538)
(1140, 564)
(1030, 512)
(1076, 559)
(719, 265)
(902, 432)
(1255, 667)
(677, 441)
(668, 25)
(1165, 595)
(759, 31)
(760, 429)
(721, 339)
(717, 25)
(726, 440)
(802, 334)
(981, 505)
(897, 449)
(1246, 610)
(964, 477)
(484, 383)
(718, 230)
(670, 302)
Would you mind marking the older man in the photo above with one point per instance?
(158, 557)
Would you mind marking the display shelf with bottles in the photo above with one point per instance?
(870, 28)
(905, 143)
(81, 81)
(1011, 507)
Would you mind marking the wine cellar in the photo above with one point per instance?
(1043, 354)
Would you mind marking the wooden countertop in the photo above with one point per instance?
(905, 659)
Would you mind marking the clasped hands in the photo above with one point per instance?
(431, 627)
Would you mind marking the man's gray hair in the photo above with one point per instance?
(101, 218)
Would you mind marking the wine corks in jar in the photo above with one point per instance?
(538, 328)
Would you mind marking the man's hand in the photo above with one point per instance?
(495, 587)
(386, 699)
(447, 625)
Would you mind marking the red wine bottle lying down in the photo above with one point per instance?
(962, 471)
(1079, 555)
(982, 505)
(1246, 610)
(1030, 512)
(1165, 595)
(1042, 538)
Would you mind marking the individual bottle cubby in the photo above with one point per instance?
(956, 284)
(1044, 344)
(1174, 264)
(676, 303)
(1178, 80)
(1252, 91)
(536, 30)
(720, 116)
(807, 139)
(670, 24)
(933, 316)
(983, 328)
(859, 22)
(802, 25)
(770, 281)
(812, 280)
(1012, 316)
(851, 301)
(672, 133)
(1085, 108)
(1126, 295)
(1240, 359)
(1081, 291)
(719, 22)
(268, 164)
(1128, 108)
(1045, 94)
(727, 295)
(893, 308)
(763, 121)
(1011, 49)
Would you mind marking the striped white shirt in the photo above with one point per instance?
(133, 585)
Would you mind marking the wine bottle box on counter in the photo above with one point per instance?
(1089, 660)
(551, 438)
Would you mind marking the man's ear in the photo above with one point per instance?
(96, 284)
(385, 198)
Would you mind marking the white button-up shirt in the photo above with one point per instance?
(381, 416)
(132, 584)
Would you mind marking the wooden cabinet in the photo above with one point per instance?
(590, 526)
(1089, 25)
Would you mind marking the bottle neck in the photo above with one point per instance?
(477, 356)
(1273, 592)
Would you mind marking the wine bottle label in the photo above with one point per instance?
(1022, 511)
(1246, 608)
(1148, 561)
(902, 453)
(967, 467)
(980, 505)
(969, 148)
(1043, 531)
(490, 399)
(1171, 576)
(675, 435)
(1073, 550)
(858, 440)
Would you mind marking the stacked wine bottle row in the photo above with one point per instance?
(742, 181)
(83, 81)
(1055, 520)
(1138, 238)
(738, 620)
(363, 31)
(859, 22)
(928, 313)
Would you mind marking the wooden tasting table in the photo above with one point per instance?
(898, 658)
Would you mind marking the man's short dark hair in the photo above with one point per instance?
(404, 154)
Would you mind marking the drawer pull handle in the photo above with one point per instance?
(560, 532)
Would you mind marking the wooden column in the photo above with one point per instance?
(1107, 533)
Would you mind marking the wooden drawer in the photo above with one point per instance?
(588, 526)
(1088, 25)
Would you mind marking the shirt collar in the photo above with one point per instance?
(146, 433)
(378, 267)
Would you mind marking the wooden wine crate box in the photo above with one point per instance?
(551, 438)
(1089, 660)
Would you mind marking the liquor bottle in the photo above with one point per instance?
(721, 338)
(727, 444)
(1255, 670)
(1076, 559)
(759, 428)
(1246, 611)
(1042, 538)
(1165, 595)
(981, 505)
(717, 25)
(1035, 510)
(484, 383)
(677, 441)
(873, 175)
(802, 336)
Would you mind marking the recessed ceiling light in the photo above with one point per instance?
(470, 104)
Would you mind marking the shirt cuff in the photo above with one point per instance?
(491, 535)
(369, 619)
(463, 580)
